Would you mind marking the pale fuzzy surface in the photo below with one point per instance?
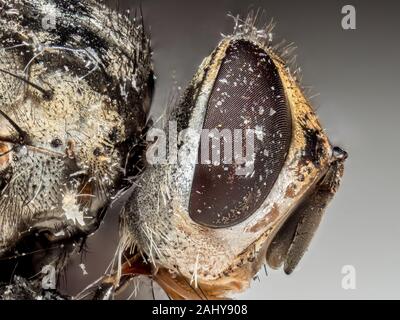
(98, 79)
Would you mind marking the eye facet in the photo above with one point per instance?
(247, 94)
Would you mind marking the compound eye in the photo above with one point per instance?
(247, 94)
(5, 155)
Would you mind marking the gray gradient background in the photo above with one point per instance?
(356, 73)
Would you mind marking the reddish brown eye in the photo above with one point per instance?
(4, 155)
(247, 94)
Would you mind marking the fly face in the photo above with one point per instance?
(73, 102)
(213, 221)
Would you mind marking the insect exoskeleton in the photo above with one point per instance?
(75, 87)
(250, 158)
